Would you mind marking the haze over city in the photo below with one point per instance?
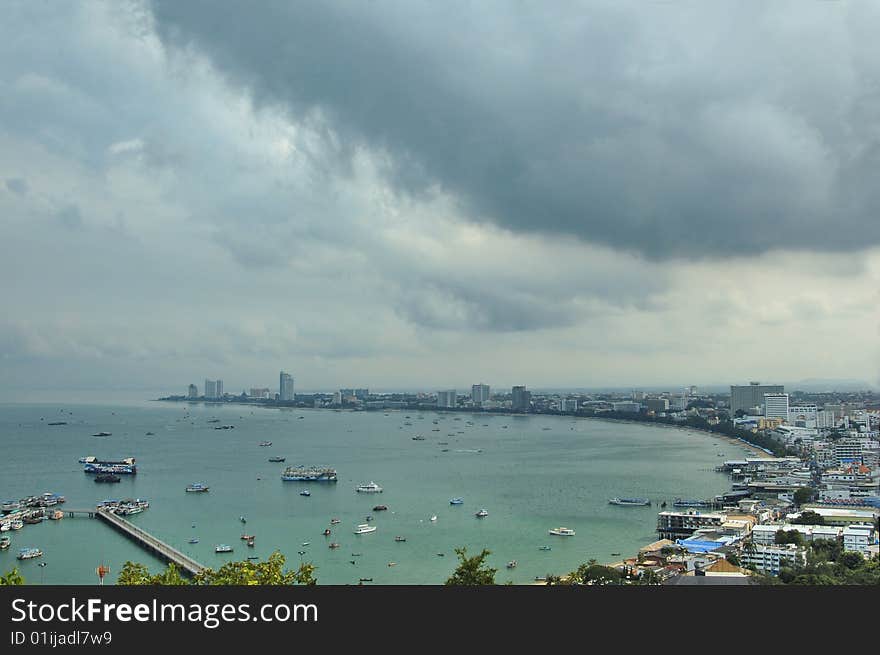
(421, 195)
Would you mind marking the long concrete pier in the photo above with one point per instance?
(157, 547)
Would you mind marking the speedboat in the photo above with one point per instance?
(370, 488)
(562, 532)
(456, 501)
(365, 528)
(222, 548)
(433, 518)
(305, 543)
(481, 513)
(305, 492)
(194, 540)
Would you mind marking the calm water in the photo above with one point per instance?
(534, 473)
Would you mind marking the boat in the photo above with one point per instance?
(250, 542)
(365, 528)
(57, 515)
(102, 434)
(680, 502)
(663, 504)
(456, 501)
(242, 519)
(370, 488)
(511, 564)
(222, 548)
(305, 492)
(630, 502)
(197, 487)
(17, 524)
(253, 557)
(194, 540)
(433, 518)
(562, 532)
(545, 548)
(334, 545)
(615, 554)
(399, 538)
(540, 578)
(265, 443)
(481, 513)
(29, 553)
(5, 542)
(305, 543)
(326, 532)
(107, 477)
(10, 505)
(277, 459)
(418, 437)
(368, 518)
(247, 537)
(309, 474)
(365, 580)
(58, 423)
(92, 464)
(334, 521)
(380, 508)
(151, 434)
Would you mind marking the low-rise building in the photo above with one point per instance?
(680, 525)
(770, 559)
(858, 538)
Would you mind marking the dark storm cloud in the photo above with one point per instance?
(668, 129)
(17, 185)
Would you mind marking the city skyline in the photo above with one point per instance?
(588, 196)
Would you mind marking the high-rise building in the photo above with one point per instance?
(522, 399)
(285, 387)
(656, 404)
(259, 392)
(213, 389)
(219, 388)
(361, 394)
(446, 398)
(193, 391)
(776, 405)
(480, 393)
(568, 405)
(747, 398)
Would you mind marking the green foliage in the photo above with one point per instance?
(733, 558)
(593, 573)
(789, 537)
(808, 517)
(12, 577)
(828, 564)
(804, 495)
(270, 572)
(472, 570)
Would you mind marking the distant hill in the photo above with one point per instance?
(821, 384)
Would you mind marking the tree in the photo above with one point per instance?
(593, 573)
(472, 570)
(270, 572)
(803, 495)
(12, 577)
(809, 517)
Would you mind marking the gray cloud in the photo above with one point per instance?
(17, 185)
(672, 130)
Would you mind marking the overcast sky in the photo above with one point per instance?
(433, 194)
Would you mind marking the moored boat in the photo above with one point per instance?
(5, 542)
(29, 553)
(222, 548)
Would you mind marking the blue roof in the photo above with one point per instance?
(699, 546)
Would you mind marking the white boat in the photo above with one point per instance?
(433, 518)
(197, 487)
(222, 548)
(29, 553)
(562, 532)
(364, 528)
(370, 488)
(630, 502)
(482, 513)
(456, 501)
(17, 524)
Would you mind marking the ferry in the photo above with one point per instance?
(309, 474)
(456, 501)
(365, 528)
(197, 487)
(222, 548)
(630, 502)
(92, 464)
(29, 553)
(481, 513)
(679, 502)
(562, 532)
(370, 488)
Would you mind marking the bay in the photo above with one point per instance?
(531, 473)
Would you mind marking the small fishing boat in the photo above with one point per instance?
(511, 564)
(247, 537)
(380, 508)
(481, 514)
(399, 538)
(334, 521)
(545, 548)
(305, 492)
(194, 540)
(222, 548)
(305, 543)
(433, 518)
(456, 501)
(326, 532)
(265, 443)
(334, 545)
(242, 519)
(197, 487)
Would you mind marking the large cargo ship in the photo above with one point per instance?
(125, 466)
(309, 474)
